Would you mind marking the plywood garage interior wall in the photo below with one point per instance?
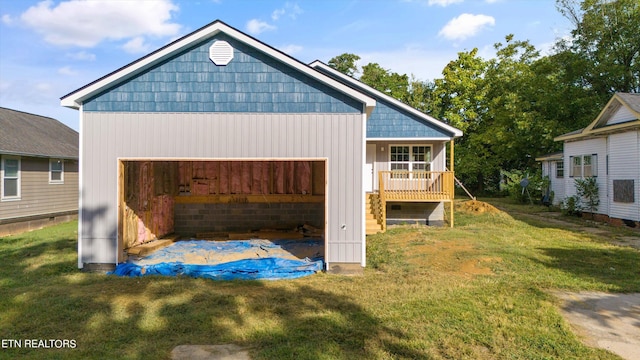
(162, 197)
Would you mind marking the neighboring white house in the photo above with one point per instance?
(553, 169)
(609, 149)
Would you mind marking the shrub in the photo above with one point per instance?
(571, 205)
(512, 185)
(587, 189)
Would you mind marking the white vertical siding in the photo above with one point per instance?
(624, 164)
(587, 147)
(549, 168)
(109, 136)
(557, 184)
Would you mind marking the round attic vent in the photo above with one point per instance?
(221, 53)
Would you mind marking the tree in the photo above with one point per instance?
(459, 98)
(345, 63)
(459, 94)
(607, 39)
(390, 83)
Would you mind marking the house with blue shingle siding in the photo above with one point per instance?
(406, 152)
(218, 132)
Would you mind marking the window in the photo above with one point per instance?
(588, 165)
(56, 171)
(576, 166)
(584, 165)
(409, 158)
(559, 169)
(10, 174)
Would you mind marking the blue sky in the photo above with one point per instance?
(50, 48)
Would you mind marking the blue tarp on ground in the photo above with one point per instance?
(230, 260)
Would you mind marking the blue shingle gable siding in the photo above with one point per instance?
(251, 82)
(388, 121)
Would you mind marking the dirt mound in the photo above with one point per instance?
(476, 207)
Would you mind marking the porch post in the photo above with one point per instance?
(453, 174)
(451, 157)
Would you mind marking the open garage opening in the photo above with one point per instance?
(220, 200)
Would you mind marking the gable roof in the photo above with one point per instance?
(34, 135)
(76, 98)
(379, 95)
(621, 112)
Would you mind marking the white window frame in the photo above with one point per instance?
(411, 162)
(18, 195)
(559, 169)
(584, 165)
(52, 162)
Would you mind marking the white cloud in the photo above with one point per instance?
(294, 10)
(87, 23)
(411, 60)
(136, 45)
(255, 26)
(444, 3)
(82, 56)
(43, 87)
(276, 14)
(290, 49)
(290, 9)
(7, 19)
(67, 71)
(465, 25)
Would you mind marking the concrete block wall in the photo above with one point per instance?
(412, 213)
(194, 218)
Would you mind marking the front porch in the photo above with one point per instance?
(407, 186)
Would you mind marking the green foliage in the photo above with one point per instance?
(607, 40)
(390, 83)
(571, 205)
(587, 189)
(512, 185)
(345, 63)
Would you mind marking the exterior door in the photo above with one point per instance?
(368, 168)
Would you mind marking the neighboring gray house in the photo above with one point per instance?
(38, 172)
(608, 149)
(219, 132)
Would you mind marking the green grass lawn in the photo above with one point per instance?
(478, 291)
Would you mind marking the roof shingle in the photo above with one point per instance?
(34, 135)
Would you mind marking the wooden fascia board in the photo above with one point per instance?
(349, 80)
(76, 98)
(616, 127)
(602, 113)
(600, 131)
(569, 137)
(549, 158)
